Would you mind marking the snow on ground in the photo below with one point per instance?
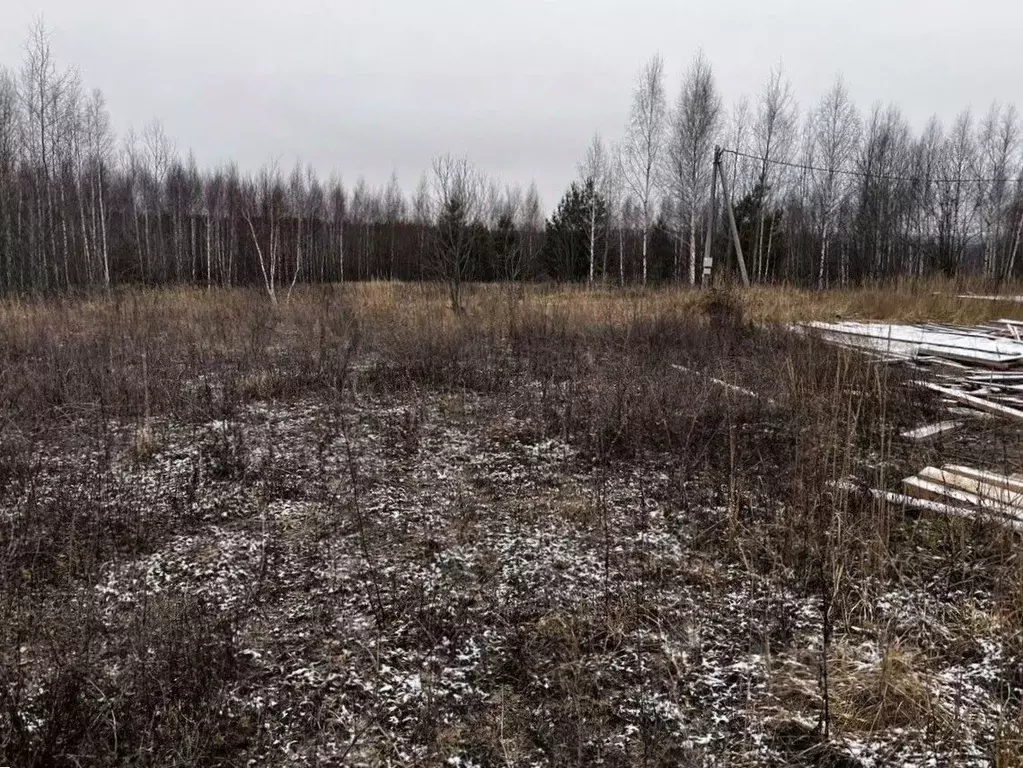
(466, 592)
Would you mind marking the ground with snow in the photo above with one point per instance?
(437, 580)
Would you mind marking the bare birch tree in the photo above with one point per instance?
(1007, 170)
(263, 200)
(214, 193)
(1014, 210)
(996, 147)
(158, 152)
(531, 221)
(1017, 237)
(42, 93)
(926, 165)
(596, 168)
(774, 140)
(422, 217)
(298, 202)
(741, 169)
(395, 208)
(337, 213)
(957, 199)
(100, 149)
(644, 145)
(689, 156)
(836, 128)
(12, 267)
(493, 204)
(614, 192)
(508, 236)
(421, 203)
(883, 162)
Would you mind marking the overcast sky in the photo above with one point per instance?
(370, 86)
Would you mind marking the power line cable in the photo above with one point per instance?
(867, 175)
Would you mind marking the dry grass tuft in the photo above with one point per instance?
(146, 442)
(872, 689)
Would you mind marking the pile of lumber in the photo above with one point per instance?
(991, 346)
(964, 492)
(977, 368)
(978, 371)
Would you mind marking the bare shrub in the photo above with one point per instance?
(164, 701)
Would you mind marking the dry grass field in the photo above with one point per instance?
(358, 529)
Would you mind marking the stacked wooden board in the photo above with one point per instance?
(992, 346)
(966, 492)
(978, 371)
(979, 367)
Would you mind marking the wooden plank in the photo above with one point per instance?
(946, 363)
(976, 402)
(994, 376)
(931, 430)
(724, 384)
(971, 357)
(911, 502)
(1002, 481)
(929, 490)
(996, 494)
(972, 413)
(1012, 400)
(974, 332)
(1016, 299)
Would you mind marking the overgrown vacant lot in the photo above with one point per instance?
(357, 529)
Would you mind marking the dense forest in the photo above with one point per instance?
(825, 194)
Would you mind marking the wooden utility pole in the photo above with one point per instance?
(731, 218)
(708, 259)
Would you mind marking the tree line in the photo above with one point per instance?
(822, 195)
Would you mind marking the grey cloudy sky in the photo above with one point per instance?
(365, 87)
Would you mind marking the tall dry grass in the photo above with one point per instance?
(906, 300)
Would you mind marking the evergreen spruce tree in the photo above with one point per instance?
(579, 222)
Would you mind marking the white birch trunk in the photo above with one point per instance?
(692, 246)
(1010, 266)
(621, 256)
(103, 226)
(267, 277)
(593, 238)
(824, 257)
